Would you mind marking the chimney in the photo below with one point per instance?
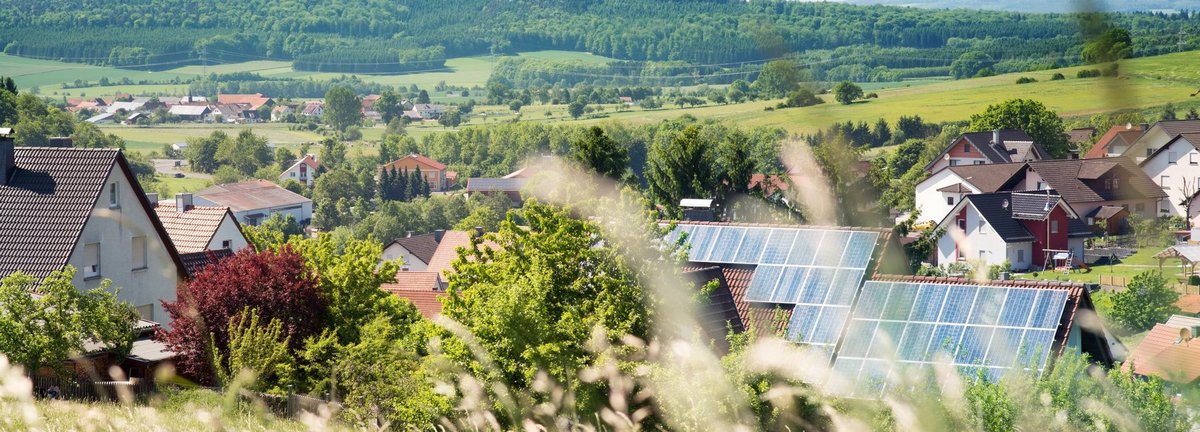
(8, 159)
(153, 198)
(183, 202)
(409, 234)
(438, 234)
(479, 231)
(60, 142)
(996, 137)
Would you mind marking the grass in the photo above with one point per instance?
(186, 184)
(146, 139)
(1139, 262)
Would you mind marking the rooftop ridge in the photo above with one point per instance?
(769, 225)
(990, 282)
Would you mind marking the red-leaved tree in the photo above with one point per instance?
(277, 284)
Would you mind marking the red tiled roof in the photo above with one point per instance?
(1127, 134)
(1159, 355)
(421, 160)
(762, 318)
(255, 101)
(191, 230)
(447, 250)
(428, 303)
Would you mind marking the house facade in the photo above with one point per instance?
(1116, 141)
(943, 190)
(432, 171)
(1175, 167)
(1157, 136)
(416, 251)
(1019, 228)
(85, 208)
(980, 148)
(304, 171)
(195, 228)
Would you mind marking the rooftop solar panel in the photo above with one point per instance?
(982, 328)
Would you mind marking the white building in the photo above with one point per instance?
(305, 171)
(992, 228)
(1175, 167)
(1159, 135)
(84, 208)
(415, 250)
(943, 190)
(198, 228)
(256, 200)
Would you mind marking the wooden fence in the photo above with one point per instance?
(1118, 283)
(85, 389)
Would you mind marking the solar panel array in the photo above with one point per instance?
(897, 327)
(818, 271)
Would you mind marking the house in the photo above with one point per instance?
(252, 101)
(305, 171)
(1175, 167)
(1115, 141)
(136, 118)
(280, 112)
(194, 113)
(1085, 184)
(1016, 227)
(415, 251)
(101, 118)
(979, 148)
(231, 113)
(198, 228)
(1157, 136)
(426, 111)
(1170, 351)
(85, 208)
(254, 201)
(368, 103)
(510, 187)
(313, 109)
(425, 287)
(627, 100)
(432, 171)
(128, 107)
(835, 291)
(1081, 136)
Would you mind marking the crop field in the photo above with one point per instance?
(50, 76)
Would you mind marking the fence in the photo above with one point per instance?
(1118, 283)
(89, 390)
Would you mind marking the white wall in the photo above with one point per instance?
(957, 161)
(1019, 261)
(1153, 139)
(932, 203)
(411, 262)
(114, 228)
(977, 245)
(228, 231)
(1175, 162)
(301, 212)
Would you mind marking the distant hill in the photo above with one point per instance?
(1042, 5)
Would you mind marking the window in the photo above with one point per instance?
(1091, 220)
(146, 312)
(949, 200)
(1040, 186)
(979, 162)
(1053, 227)
(962, 224)
(1171, 156)
(982, 226)
(1193, 158)
(953, 162)
(1116, 183)
(91, 260)
(1021, 256)
(1149, 151)
(114, 200)
(1162, 181)
(983, 255)
(1140, 207)
(292, 174)
(966, 147)
(226, 244)
(139, 252)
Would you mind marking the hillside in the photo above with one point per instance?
(1042, 6)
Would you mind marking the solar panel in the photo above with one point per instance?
(778, 246)
(725, 248)
(978, 328)
(859, 249)
(762, 284)
(833, 245)
(788, 287)
(805, 247)
(752, 245)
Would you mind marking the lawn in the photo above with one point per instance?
(186, 184)
(145, 139)
(1139, 262)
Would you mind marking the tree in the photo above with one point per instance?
(576, 107)
(599, 153)
(226, 174)
(342, 108)
(881, 133)
(847, 92)
(201, 152)
(1112, 45)
(778, 77)
(802, 97)
(48, 330)
(276, 283)
(423, 97)
(1146, 301)
(382, 381)
(534, 301)
(683, 167)
(451, 118)
(247, 153)
(272, 232)
(1044, 126)
(1169, 112)
(969, 64)
(336, 185)
(389, 106)
(259, 348)
(737, 164)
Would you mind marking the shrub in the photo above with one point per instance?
(1147, 300)
(1057, 77)
(1088, 73)
(1025, 80)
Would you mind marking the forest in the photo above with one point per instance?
(373, 36)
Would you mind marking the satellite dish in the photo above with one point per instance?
(1004, 204)
(946, 156)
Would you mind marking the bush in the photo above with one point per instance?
(1025, 80)
(1088, 73)
(1147, 300)
(801, 97)
(1194, 280)
(1057, 77)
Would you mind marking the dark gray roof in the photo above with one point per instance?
(1177, 127)
(422, 246)
(719, 314)
(999, 208)
(197, 261)
(1033, 206)
(482, 184)
(1067, 176)
(47, 201)
(1014, 146)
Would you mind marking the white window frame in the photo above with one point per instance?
(1171, 156)
(1162, 182)
(950, 200)
(137, 250)
(1053, 226)
(1020, 256)
(983, 226)
(114, 195)
(91, 260)
(1193, 158)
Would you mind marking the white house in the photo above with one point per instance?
(256, 200)
(943, 190)
(415, 250)
(85, 208)
(980, 148)
(195, 228)
(1020, 228)
(1159, 135)
(305, 170)
(1175, 167)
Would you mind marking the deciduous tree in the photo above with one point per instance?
(342, 108)
(596, 151)
(847, 92)
(1146, 301)
(1042, 124)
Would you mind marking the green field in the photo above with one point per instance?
(49, 76)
